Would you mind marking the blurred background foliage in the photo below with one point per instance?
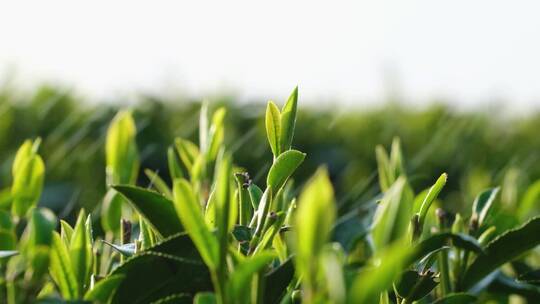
(476, 149)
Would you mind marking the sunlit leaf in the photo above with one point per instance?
(273, 128)
(283, 167)
(189, 211)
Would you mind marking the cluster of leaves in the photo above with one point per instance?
(213, 235)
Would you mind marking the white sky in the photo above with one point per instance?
(469, 51)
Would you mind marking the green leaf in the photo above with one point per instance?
(188, 152)
(530, 200)
(531, 277)
(255, 195)
(203, 127)
(288, 121)
(205, 298)
(61, 269)
(314, 219)
(181, 298)
(386, 175)
(273, 128)
(171, 267)
(80, 252)
(243, 275)
(27, 184)
(276, 282)
(66, 232)
(104, 289)
(385, 267)
(393, 214)
(175, 171)
(111, 212)
(504, 285)
(482, 205)
(440, 240)
(147, 237)
(216, 133)
(122, 158)
(283, 167)
(189, 211)
(414, 286)
(505, 248)
(7, 239)
(159, 184)
(430, 197)
(155, 208)
(225, 220)
(457, 298)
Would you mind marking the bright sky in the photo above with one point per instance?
(469, 51)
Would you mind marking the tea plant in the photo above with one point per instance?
(216, 235)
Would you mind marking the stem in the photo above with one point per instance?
(445, 275)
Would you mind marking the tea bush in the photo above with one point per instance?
(208, 231)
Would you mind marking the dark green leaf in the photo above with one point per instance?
(440, 240)
(456, 298)
(414, 286)
(503, 249)
(171, 267)
(104, 289)
(154, 207)
(276, 282)
(531, 277)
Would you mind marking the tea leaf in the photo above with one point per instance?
(314, 219)
(457, 298)
(121, 153)
(288, 121)
(430, 197)
(393, 214)
(61, 269)
(277, 280)
(175, 171)
(155, 208)
(205, 298)
(80, 253)
(27, 183)
(503, 249)
(188, 152)
(386, 266)
(243, 274)
(283, 168)
(440, 240)
(111, 211)
(189, 211)
(158, 183)
(171, 267)
(482, 205)
(273, 128)
(104, 289)
(414, 286)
